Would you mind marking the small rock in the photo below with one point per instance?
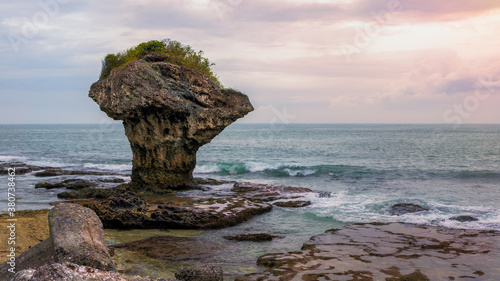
(112, 180)
(464, 218)
(257, 237)
(69, 184)
(406, 208)
(200, 273)
(49, 173)
(209, 181)
(292, 204)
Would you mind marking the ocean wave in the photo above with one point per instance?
(49, 163)
(285, 170)
(10, 158)
(277, 170)
(108, 167)
(341, 172)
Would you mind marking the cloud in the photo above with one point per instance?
(283, 54)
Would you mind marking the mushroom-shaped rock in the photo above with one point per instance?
(168, 111)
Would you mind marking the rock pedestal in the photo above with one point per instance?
(168, 111)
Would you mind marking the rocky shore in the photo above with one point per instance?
(388, 251)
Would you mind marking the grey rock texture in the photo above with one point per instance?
(200, 273)
(76, 236)
(168, 111)
(73, 272)
(391, 252)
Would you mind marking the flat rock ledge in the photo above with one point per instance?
(225, 205)
(391, 252)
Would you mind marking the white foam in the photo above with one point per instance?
(255, 167)
(300, 173)
(207, 169)
(348, 208)
(109, 167)
(49, 163)
(9, 158)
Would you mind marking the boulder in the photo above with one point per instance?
(76, 236)
(464, 218)
(405, 208)
(169, 111)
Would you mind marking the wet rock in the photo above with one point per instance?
(371, 251)
(71, 271)
(292, 204)
(464, 218)
(172, 213)
(209, 181)
(68, 184)
(324, 194)
(52, 172)
(405, 208)
(414, 276)
(95, 193)
(112, 180)
(200, 273)
(168, 111)
(20, 168)
(257, 237)
(266, 192)
(172, 248)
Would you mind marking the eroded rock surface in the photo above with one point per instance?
(394, 251)
(200, 273)
(267, 192)
(129, 211)
(218, 205)
(168, 112)
(173, 248)
(71, 271)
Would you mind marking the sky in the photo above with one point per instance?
(345, 61)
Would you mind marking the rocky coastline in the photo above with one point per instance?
(390, 251)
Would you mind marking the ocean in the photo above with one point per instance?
(358, 170)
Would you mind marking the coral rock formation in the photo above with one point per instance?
(169, 111)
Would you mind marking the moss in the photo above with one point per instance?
(179, 54)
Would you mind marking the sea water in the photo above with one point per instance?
(357, 171)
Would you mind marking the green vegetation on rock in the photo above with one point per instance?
(180, 54)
